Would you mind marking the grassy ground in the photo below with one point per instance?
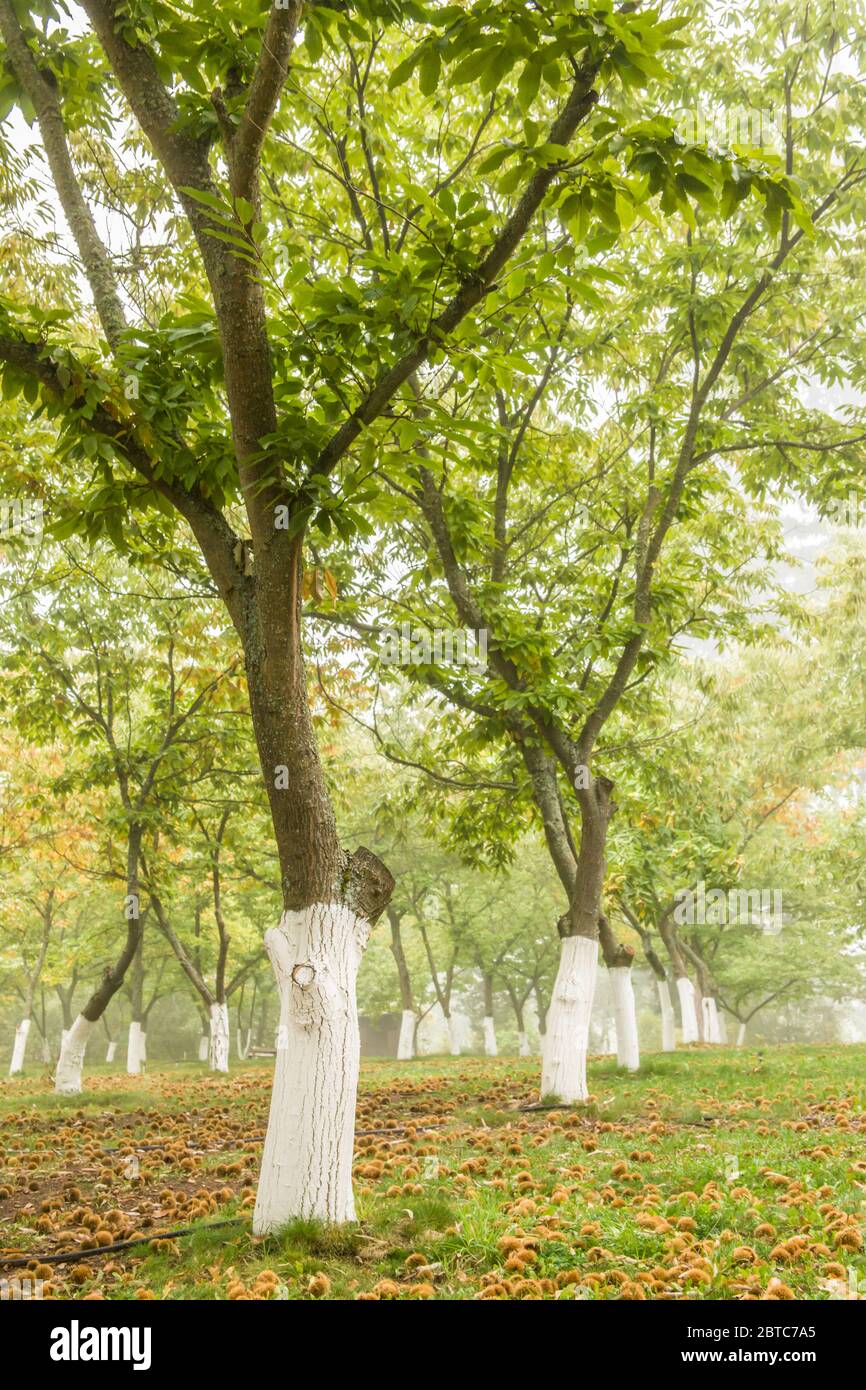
(713, 1173)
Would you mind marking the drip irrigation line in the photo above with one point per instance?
(65, 1256)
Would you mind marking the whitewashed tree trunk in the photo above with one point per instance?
(406, 1040)
(19, 1047)
(135, 1050)
(722, 1023)
(523, 1049)
(244, 1043)
(307, 1159)
(64, 1034)
(669, 1023)
(67, 1078)
(711, 1019)
(490, 1046)
(563, 1065)
(111, 1052)
(453, 1036)
(625, 1012)
(203, 1047)
(688, 1013)
(741, 1035)
(219, 1037)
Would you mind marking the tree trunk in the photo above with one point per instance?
(741, 1035)
(20, 1047)
(219, 1037)
(67, 1078)
(688, 1012)
(23, 1028)
(490, 1047)
(307, 1160)
(625, 1013)
(69, 1068)
(203, 1047)
(517, 1004)
(453, 1036)
(541, 1013)
(669, 1025)
(711, 1019)
(563, 1070)
(330, 900)
(566, 1043)
(406, 1041)
(135, 1049)
(618, 959)
(111, 1051)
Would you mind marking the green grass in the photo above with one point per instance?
(712, 1173)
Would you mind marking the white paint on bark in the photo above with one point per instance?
(203, 1047)
(741, 1035)
(135, 1050)
(711, 1019)
(19, 1047)
(453, 1036)
(490, 1046)
(67, 1078)
(307, 1159)
(406, 1040)
(523, 1045)
(219, 1037)
(563, 1064)
(669, 1023)
(622, 990)
(112, 1050)
(688, 1013)
(722, 1024)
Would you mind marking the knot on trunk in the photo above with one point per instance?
(366, 884)
(304, 975)
(616, 955)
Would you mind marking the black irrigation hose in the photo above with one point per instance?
(66, 1256)
(19, 1262)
